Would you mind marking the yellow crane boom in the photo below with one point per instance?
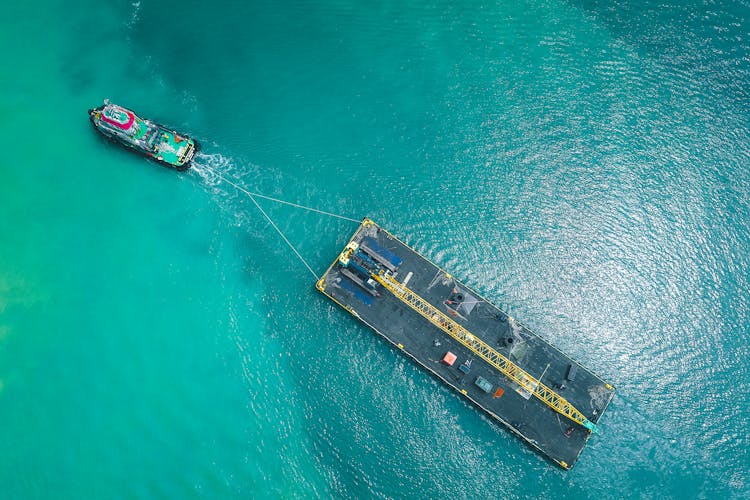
(481, 349)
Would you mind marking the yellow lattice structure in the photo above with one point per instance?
(481, 349)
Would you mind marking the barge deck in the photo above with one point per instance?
(516, 377)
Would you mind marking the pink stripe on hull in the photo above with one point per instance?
(123, 126)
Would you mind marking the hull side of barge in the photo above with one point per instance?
(560, 439)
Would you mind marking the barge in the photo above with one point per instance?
(520, 380)
(150, 139)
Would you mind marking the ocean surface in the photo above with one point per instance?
(585, 164)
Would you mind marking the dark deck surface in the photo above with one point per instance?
(528, 417)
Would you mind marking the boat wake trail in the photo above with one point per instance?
(208, 166)
(215, 169)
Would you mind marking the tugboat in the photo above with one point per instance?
(143, 136)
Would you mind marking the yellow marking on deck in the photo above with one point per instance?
(480, 348)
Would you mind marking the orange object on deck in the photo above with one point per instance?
(449, 358)
(499, 392)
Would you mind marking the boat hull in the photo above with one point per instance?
(117, 133)
(469, 321)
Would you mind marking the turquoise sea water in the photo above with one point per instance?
(584, 163)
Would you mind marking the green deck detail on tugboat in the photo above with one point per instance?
(141, 130)
(170, 148)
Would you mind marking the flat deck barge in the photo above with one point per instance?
(470, 344)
